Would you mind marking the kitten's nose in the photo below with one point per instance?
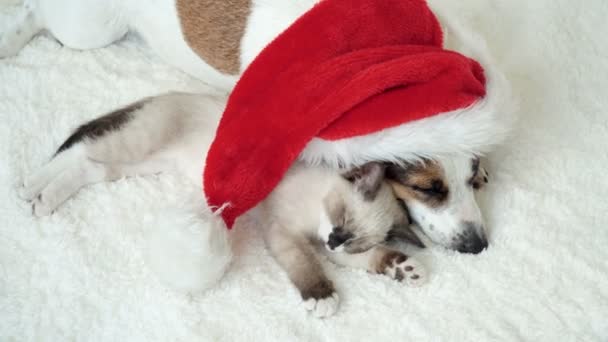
(338, 237)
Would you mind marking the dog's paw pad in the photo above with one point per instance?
(402, 268)
(410, 272)
(323, 307)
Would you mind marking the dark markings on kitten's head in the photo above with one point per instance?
(367, 179)
(338, 236)
(99, 127)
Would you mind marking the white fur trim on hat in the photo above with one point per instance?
(189, 249)
(475, 129)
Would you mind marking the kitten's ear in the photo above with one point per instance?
(367, 179)
(404, 232)
(335, 208)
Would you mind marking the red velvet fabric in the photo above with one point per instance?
(345, 68)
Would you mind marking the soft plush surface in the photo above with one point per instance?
(80, 274)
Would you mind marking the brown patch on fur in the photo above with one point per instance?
(422, 181)
(101, 126)
(319, 290)
(214, 30)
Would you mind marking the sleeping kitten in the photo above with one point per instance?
(352, 215)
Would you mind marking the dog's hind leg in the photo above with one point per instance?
(26, 24)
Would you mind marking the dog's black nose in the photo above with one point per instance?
(471, 241)
(337, 237)
(473, 246)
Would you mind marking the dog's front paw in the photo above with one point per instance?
(321, 299)
(403, 268)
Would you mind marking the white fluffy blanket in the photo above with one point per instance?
(80, 274)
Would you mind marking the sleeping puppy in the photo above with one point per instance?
(215, 40)
(440, 197)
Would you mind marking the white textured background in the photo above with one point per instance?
(80, 275)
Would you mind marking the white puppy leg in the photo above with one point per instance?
(26, 24)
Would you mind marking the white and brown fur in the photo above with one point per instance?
(354, 213)
(215, 40)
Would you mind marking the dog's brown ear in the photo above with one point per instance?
(367, 179)
(404, 232)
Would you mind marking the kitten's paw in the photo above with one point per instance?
(404, 269)
(323, 307)
(41, 208)
(28, 193)
(34, 184)
(321, 299)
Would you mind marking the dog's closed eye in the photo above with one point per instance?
(435, 188)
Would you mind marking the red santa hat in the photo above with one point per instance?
(351, 82)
